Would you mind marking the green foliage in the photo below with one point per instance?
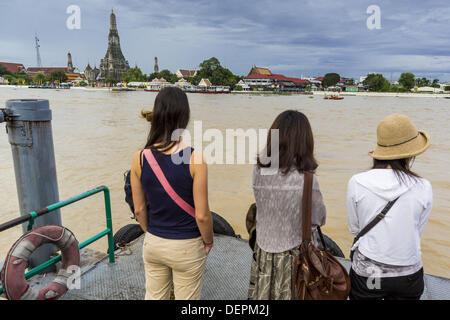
(218, 75)
(407, 80)
(40, 78)
(350, 82)
(435, 83)
(110, 82)
(422, 82)
(134, 74)
(331, 79)
(4, 71)
(166, 74)
(447, 88)
(58, 75)
(377, 82)
(82, 84)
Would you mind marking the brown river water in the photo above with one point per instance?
(96, 133)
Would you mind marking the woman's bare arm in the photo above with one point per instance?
(139, 201)
(199, 172)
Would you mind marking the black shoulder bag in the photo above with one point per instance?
(127, 188)
(372, 224)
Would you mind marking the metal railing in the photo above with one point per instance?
(34, 214)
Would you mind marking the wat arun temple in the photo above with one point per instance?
(113, 64)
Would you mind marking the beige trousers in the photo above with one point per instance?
(168, 262)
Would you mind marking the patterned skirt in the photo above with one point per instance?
(271, 275)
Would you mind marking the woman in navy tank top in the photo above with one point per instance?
(170, 195)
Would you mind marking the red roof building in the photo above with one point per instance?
(32, 71)
(14, 67)
(181, 73)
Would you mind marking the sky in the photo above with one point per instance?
(292, 37)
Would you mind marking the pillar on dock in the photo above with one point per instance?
(30, 135)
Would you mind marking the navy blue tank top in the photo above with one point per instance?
(165, 218)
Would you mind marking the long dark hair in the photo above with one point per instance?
(170, 112)
(296, 144)
(401, 168)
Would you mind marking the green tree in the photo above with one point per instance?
(40, 78)
(218, 75)
(376, 82)
(58, 75)
(4, 71)
(407, 80)
(422, 82)
(331, 79)
(447, 88)
(134, 74)
(110, 82)
(435, 83)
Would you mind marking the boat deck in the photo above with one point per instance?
(226, 276)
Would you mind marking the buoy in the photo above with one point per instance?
(13, 271)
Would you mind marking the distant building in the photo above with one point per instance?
(243, 85)
(70, 68)
(205, 83)
(14, 67)
(182, 83)
(428, 89)
(259, 71)
(75, 77)
(264, 79)
(181, 73)
(156, 68)
(32, 71)
(91, 74)
(114, 63)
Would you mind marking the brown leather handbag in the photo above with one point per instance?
(317, 274)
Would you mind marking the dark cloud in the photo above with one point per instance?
(295, 37)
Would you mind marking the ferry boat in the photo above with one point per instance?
(333, 97)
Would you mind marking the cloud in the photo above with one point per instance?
(293, 37)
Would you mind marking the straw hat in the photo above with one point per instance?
(398, 138)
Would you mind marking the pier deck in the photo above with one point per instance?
(226, 276)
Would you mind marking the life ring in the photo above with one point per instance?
(13, 271)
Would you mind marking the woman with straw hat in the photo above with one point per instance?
(388, 208)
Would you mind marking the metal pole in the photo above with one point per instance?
(28, 124)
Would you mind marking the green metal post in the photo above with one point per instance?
(109, 226)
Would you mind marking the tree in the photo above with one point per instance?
(218, 75)
(134, 74)
(407, 80)
(422, 82)
(40, 78)
(435, 83)
(377, 82)
(110, 82)
(447, 88)
(4, 71)
(58, 75)
(331, 79)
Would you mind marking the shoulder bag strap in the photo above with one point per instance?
(307, 210)
(306, 206)
(165, 184)
(375, 220)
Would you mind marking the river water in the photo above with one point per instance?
(96, 133)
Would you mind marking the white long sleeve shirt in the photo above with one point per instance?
(396, 239)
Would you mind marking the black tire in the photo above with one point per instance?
(221, 226)
(127, 234)
(333, 247)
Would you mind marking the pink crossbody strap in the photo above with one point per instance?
(166, 185)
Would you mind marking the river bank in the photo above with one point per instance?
(313, 93)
